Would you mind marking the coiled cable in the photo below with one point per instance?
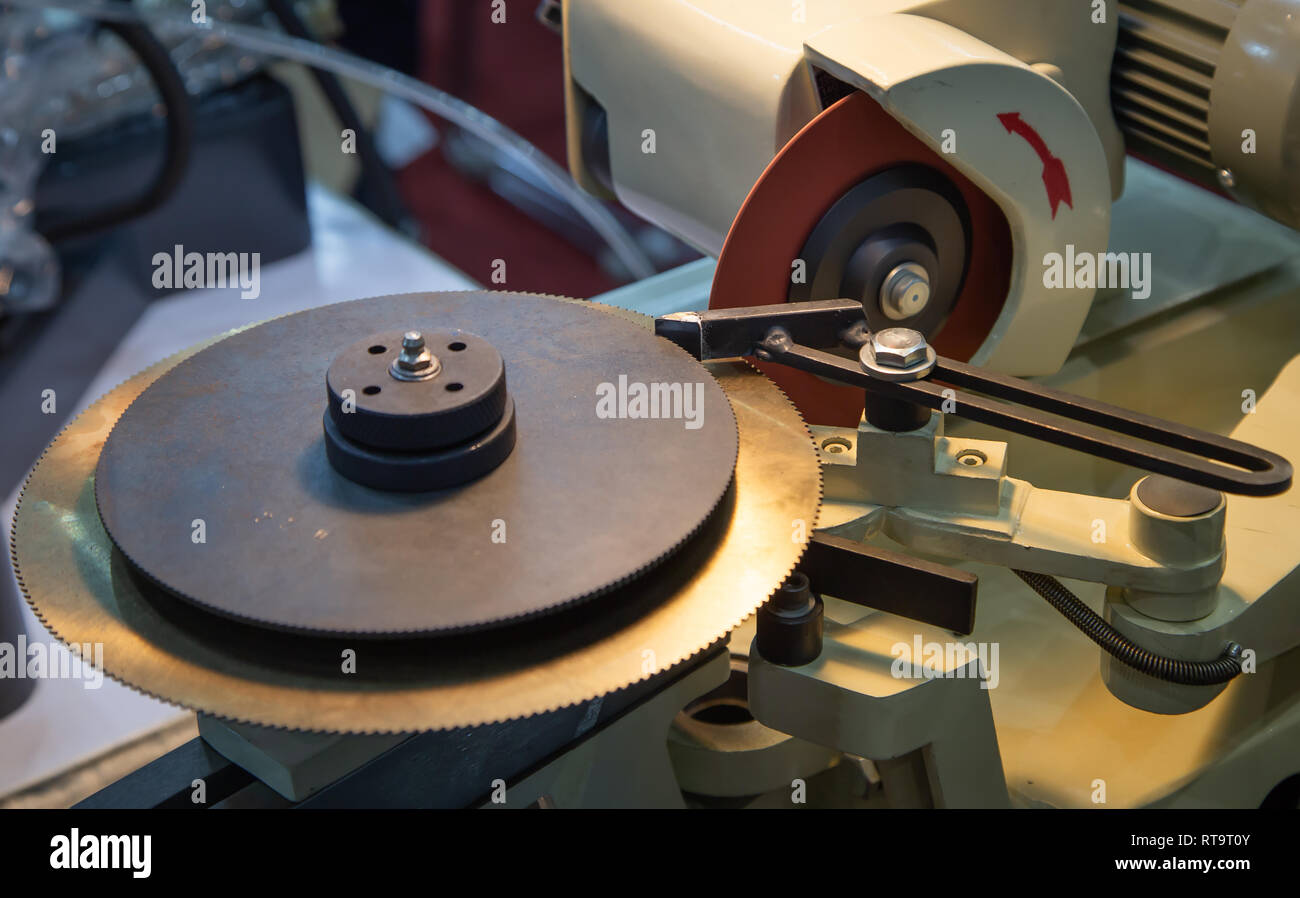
(1173, 670)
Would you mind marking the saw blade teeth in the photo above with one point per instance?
(821, 485)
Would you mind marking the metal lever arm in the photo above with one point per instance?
(1054, 416)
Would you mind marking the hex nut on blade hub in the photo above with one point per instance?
(415, 362)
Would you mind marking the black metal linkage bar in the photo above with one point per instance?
(795, 333)
(891, 581)
(1161, 448)
(1101, 414)
(733, 333)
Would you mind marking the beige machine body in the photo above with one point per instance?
(697, 98)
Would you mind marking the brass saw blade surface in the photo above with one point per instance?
(84, 592)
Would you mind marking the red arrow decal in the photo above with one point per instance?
(1054, 176)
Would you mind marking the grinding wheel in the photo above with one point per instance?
(850, 142)
(85, 591)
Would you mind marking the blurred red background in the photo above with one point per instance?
(514, 72)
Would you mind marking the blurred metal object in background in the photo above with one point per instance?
(1208, 91)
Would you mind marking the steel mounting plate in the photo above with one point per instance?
(232, 438)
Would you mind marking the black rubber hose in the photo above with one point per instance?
(153, 55)
(1173, 670)
(378, 186)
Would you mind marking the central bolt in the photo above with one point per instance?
(905, 291)
(415, 361)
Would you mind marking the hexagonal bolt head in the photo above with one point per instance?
(899, 347)
(415, 355)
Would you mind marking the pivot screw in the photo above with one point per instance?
(905, 291)
(415, 361)
(899, 347)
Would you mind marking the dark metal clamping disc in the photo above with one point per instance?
(214, 483)
(444, 422)
(463, 398)
(416, 472)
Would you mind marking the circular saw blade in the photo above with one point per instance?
(232, 437)
(84, 592)
(848, 142)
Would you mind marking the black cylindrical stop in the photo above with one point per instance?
(790, 624)
(896, 415)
